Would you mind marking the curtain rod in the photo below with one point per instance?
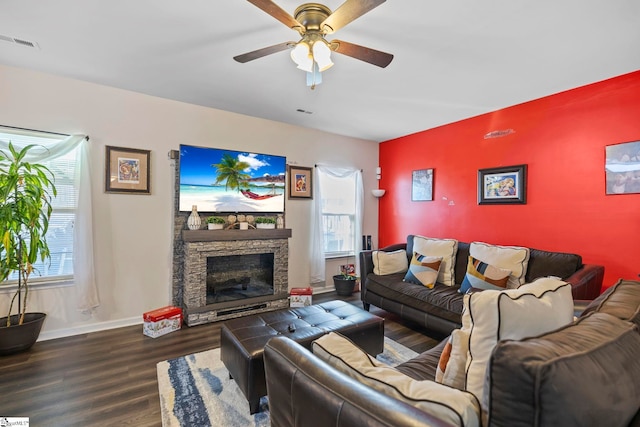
(41, 131)
(316, 165)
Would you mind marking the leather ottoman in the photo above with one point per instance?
(242, 340)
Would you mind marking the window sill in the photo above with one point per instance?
(339, 255)
(64, 282)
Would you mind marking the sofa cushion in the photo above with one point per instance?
(558, 264)
(491, 316)
(584, 374)
(442, 301)
(445, 248)
(423, 270)
(621, 300)
(423, 366)
(513, 258)
(385, 263)
(481, 275)
(454, 406)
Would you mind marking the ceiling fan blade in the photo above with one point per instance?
(250, 56)
(277, 12)
(372, 56)
(347, 12)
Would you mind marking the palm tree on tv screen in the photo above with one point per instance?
(231, 171)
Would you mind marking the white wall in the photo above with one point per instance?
(133, 233)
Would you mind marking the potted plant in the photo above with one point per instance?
(345, 284)
(26, 191)
(215, 223)
(265, 222)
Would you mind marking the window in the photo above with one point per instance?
(60, 233)
(338, 214)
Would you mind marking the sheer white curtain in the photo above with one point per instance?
(83, 269)
(317, 273)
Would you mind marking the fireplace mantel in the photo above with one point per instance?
(226, 235)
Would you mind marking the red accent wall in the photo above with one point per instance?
(562, 139)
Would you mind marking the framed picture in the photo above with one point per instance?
(498, 186)
(300, 182)
(127, 170)
(422, 185)
(622, 168)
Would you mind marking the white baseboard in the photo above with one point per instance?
(94, 327)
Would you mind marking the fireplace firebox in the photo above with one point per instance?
(237, 277)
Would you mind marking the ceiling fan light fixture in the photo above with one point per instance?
(301, 55)
(322, 55)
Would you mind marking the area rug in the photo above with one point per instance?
(195, 390)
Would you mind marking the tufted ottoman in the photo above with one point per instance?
(242, 340)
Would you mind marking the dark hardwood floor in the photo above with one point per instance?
(109, 378)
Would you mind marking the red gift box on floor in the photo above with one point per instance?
(300, 297)
(162, 321)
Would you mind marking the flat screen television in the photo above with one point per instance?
(220, 180)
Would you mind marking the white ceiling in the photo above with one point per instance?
(454, 59)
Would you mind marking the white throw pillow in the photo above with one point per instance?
(454, 406)
(444, 248)
(513, 258)
(490, 316)
(389, 262)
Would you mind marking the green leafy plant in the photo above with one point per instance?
(26, 191)
(265, 220)
(215, 220)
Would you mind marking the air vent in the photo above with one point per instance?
(20, 42)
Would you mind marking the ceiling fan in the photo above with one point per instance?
(313, 21)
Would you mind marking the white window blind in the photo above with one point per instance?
(60, 233)
(338, 214)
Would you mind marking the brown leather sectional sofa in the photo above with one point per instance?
(584, 374)
(439, 309)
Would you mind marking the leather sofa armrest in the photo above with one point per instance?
(366, 263)
(586, 283)
(305, 391)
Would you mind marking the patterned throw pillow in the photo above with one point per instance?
(445, 248)
(481, 275)
(423, 270)
(513, 258)
(451, 367)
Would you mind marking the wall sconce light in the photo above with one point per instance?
(378, 192)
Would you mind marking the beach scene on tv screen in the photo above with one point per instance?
(218, 180)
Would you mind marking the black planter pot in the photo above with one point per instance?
(344, 287)
(17, 338)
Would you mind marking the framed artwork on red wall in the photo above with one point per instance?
(505, 185)
(622, 168)
(422, 185)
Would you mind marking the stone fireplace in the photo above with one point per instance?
(233, 273)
